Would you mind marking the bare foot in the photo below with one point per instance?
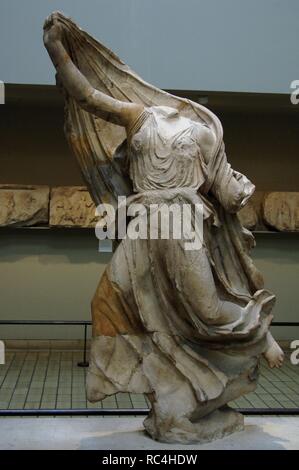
(274, 355)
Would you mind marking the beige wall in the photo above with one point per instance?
(53, 275)
(48, 275)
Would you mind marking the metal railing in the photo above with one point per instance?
(119, 411)
(85, 323)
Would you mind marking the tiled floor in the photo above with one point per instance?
(52, 379)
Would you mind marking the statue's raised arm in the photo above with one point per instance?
(77, 85)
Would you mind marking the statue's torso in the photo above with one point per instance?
(165, 152)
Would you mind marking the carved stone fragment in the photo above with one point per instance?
(72, 206)
(281, 210)
(23, 205)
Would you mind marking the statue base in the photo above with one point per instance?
(218, 424)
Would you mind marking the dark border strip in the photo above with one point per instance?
(76, 412)
(135, 412)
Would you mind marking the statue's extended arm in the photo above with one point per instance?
(231, 188)
(90, 99)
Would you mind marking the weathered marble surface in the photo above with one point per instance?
(281, 210)
(71, 206)
(23, 205)
(185, 327)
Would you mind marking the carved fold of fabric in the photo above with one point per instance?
(183, 377)
(229, 247)
(150, 359)
(138, 335)
(183, 299)
(94, 140)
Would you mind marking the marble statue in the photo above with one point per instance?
(185, 327)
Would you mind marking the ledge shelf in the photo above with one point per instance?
(91, 229)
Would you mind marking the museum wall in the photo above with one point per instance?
(53, 275)
(221, 45)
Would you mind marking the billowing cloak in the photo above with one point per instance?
(100, 148)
